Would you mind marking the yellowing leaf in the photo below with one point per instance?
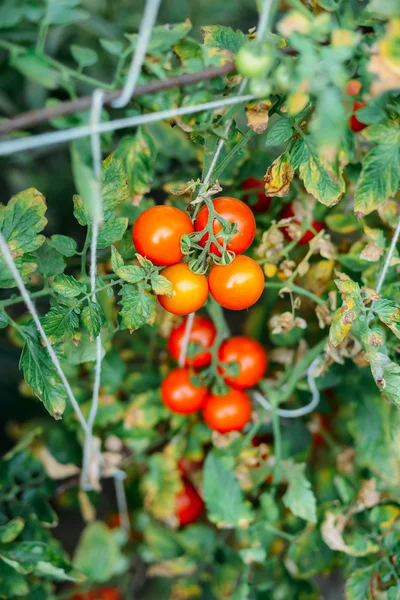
(345, 315)
(257, 115)
(278, 177)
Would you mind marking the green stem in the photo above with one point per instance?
(301, 8)
(278, 532)
(295, 288)
(16, 300)
(224, 163)
(298, 370)
(85, 251)
(216, 313)
(276, 428)
(42, 36)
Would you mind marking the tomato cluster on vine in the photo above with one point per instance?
(157, 235)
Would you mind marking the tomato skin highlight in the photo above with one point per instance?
(238, 285)
(251, 357)
(230, 412)
(190, 291)
(179, 394)
(203, 332)
(188, 504)
(308, 235)
(157, 232)
(264, 202)
(234, 211)
(355, 125)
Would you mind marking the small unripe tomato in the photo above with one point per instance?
(189, 291)
(308, 235)
(254, 60)
(230, 412)
(188, 504)
(179, 394)
(256, 189)
(157, 233)
(251, 358)
(234, 211)
(238, 285)
(353, 87)
(260, 88)
(202, 333)
(355, 124)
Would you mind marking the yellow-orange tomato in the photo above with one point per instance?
(230, 412)
(189, 291)
(157, 234)
(238, 285)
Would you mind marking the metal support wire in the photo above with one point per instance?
(186, 338)
(389, 257)
(122, 505)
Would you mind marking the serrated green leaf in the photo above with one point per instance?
(280, 133)
(163, 37)
(111, 231)
(10, 531)
(223, 496)
(92, 318)
(160, 285)
(138, 154)
(358, 584)
(49, 261)
(138, 307)
(299, 497)
(97, 553)
(40, 374)
(21, 220)
(63, 244)
(25, 266)
(224, 38)
(114, 184)
(131, 273)
(60, 321)
(68, 286)
(79, 210)
(116, 259)
(389, 313)
(85, 57)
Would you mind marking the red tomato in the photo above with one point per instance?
(234, 211)
(103, 593)
(203, 333)
(230, 412)
(355, 124)
(157, 234)
(264, 202)
(189, 293)
(180, 395)
(114, 521)
(251, 357)
(189, 504)
(353, 87)
(238, 285)
(308, 235)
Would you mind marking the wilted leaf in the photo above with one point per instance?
(278, 177)
(257, 115)
(351, 308)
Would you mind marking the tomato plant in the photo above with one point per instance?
(243, 175)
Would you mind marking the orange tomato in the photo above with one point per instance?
(250, 356)
(230, 412)
(179, 393)
(238, 285)
(202, 333)
(353, 87)
(189, 293)
(157, 233)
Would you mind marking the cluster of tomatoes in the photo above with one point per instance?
(157, 235)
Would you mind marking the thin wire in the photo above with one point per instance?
(296, 412)
(389, 257)
(186, 338)
(97, 104)
(146, 26)
(264, 18)
(31, 307)
(66, 135)
(122, 504)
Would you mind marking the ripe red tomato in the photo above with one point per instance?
(251, 357)
(234, 211)
(264, 202)
(308, 235)
(103, 593)
(157, 233)
(230, 412)
(189, 293)
(355, 124)
(238, 285)
(188, 503)
(203, 333)
(179, 393)
(353, 87)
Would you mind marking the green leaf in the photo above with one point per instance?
(85, 57)
(111, 231)
(329, 122)
(79, 210)
(389, 8)
(138, 154)
(12, 584)
(223, 496)
(81, 352)
(224, 38)
(280, 133)
(92, 318)
(163, 37)
(68, 286)
(114, 185)
(389, 313)
(358, 584)
(64, 12)
(380, 174)
(21, 220)
(97, 553)
(38, 68)
(138, 307)
(130, 273)
(3, 319)
(160, 285)
(85, 181)
(113, 47)
(60, 321)
(63, 244)
(299, 497)
(10, 531)
(308, 554)
(25, 266)
(50, 262)
(40, 374)
(325, 182)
